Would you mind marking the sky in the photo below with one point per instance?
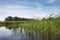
(28, 8)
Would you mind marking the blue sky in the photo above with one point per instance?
(28, 8)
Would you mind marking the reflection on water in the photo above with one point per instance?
(18, 34)
(22, 34)
(4, 32)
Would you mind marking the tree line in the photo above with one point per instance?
(10, 18)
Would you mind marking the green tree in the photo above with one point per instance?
(15, 18)
(9, 18)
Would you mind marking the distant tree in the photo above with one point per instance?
(15, 18)
(9, 18)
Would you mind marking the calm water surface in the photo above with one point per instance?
(18, 34)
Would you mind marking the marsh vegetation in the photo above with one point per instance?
(47, 29)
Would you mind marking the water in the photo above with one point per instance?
(23, 34)
(18, 34)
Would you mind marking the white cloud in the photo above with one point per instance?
(24, 11)
(16, 10)
(50, 1)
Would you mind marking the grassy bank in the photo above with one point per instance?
(52, 24)
(49, 28)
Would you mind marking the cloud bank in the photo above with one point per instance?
(28, 8)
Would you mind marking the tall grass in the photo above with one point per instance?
(49, 28)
